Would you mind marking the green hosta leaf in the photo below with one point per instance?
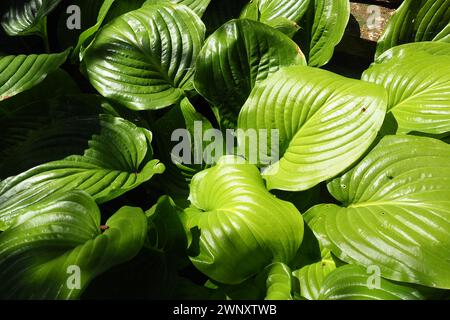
(322, 28)
(109, 10)
(325, 122)
(286, 26)
(118, 160)
(416, 21)
(154, 272)
(22, 72)
(120, 7)
(237, 226)
(269, 10)
(144, 59)
(322, 23)
(353, 282)
(396, 214)
(54, 241)
(417, 78)
(198, 6)
(274, 282)
(92, 30)
(311, 277)
(235, 57)
(25, 17)
(55, 85)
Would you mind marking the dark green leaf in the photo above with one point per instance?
(25, 17)
(416, 21)
(144, 59)
(118, 160)
(22, 72)
(237, 56)
(53, 242)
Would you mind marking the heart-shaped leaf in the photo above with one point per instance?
(396, 214)
(417, 78)
(237, 56)
(144, 59)
(237, 226)
(325, 122)
(322, 23)
(416, 21)
(322, 28)
(25, 17)
(22, 72)
(353, 282)
(118, 160)
(106, 12)
(56, 247)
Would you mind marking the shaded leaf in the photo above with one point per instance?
(109, 10)
(46, 130)
(181, 127)
(237, 56)
(25, 17)
(54, 241)
(118, 160)
(22, 72)
(144, 59)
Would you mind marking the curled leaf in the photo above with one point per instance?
(237, 226)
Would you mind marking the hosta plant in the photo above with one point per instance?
(215, 149)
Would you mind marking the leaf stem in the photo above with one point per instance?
(44, 34)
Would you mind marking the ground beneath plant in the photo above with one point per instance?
(371, 24)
